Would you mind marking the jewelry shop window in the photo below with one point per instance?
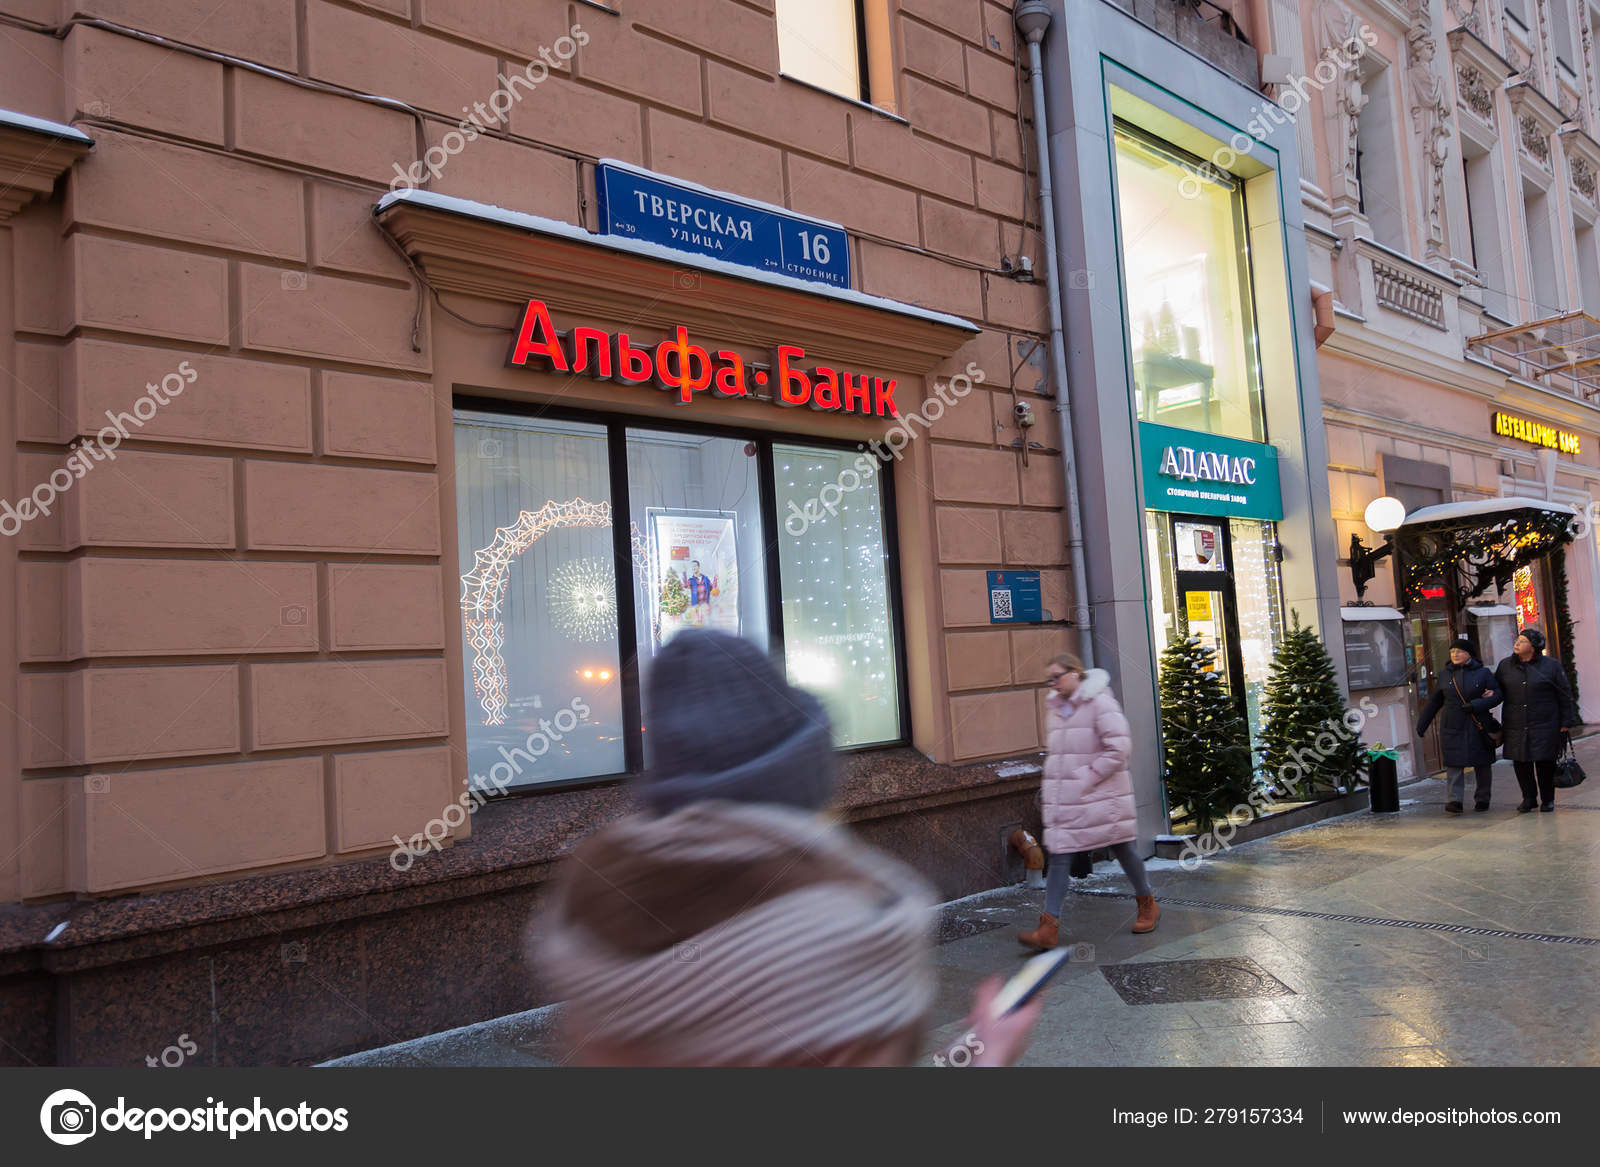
(557, 638)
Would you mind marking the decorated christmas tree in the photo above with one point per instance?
(1206, 741)
(1306, 744)
(674, 596)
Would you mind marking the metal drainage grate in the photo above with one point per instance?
(1426, 925)
(1163, 982)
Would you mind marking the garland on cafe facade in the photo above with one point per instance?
(1476, 553)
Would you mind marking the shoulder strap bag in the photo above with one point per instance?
(1493, 736)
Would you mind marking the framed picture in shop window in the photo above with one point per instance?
(694, 577)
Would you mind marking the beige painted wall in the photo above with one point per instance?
(237, 646)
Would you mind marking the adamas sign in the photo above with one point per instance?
(1204, 474)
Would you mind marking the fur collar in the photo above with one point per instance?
(1094, 683)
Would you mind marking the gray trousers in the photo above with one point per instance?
(1458, 782)
(1057, 880)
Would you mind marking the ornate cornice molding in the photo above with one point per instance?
(1537, 117)
(1583, 163)
(30, 162)
(1473, 49)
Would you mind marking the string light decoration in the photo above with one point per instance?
(1474, 552)
(483, 590)
(838, 632)
(583, 600)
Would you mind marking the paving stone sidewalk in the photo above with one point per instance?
(1408, 939)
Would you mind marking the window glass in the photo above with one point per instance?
(1258, 595)
(696, 537)
(1191, 319)
(819, 42)
(539, 601)
(838, 633)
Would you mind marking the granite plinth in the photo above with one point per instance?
(295, 967)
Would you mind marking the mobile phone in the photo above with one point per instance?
(1020, 989)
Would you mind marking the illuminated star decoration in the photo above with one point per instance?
(483, 590)
(583, 600)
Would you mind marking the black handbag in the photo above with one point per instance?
(1082, 865)
(1568, 772)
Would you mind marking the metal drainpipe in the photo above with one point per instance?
(1033, 18)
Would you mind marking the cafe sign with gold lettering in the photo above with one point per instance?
(1536, 433)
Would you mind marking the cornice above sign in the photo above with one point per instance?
(484, 251)
(33, 154)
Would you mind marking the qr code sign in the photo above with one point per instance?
(1000, 603)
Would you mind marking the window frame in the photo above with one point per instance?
(863, 94)
(616, 427)
(1213, 173)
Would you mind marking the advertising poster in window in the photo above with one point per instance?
(1199, 546)
(1374, 653)
(695, 573)
(1527, 595)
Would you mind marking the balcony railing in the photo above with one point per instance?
(1399, 290)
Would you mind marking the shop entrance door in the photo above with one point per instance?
(1430, 646)
(1203, 554)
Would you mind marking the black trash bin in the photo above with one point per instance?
(1383, 781)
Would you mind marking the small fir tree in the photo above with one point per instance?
(1206, 741)
(1303, 720)
(674, 596)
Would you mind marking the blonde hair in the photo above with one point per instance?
(1067, 661)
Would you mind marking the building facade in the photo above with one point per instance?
(1450, 211)
(1193, 377)
(391, 380)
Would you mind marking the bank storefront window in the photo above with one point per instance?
(1186, 279)
(556, 637)
(838, 637)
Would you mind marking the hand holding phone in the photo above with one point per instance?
(1033, 976)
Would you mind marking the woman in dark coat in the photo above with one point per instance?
(1539, 713)
(1466, 692)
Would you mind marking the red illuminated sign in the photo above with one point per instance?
(676, 364)
(1433, 593)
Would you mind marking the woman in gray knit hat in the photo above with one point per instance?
(729, 923)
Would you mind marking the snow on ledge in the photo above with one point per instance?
(1371, 614)
(10, 117)
(1483, 506)
(1017, 769)
(1491, 610)
(538, 223)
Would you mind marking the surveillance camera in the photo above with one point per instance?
(1024, 414)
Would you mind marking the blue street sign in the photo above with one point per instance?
(1015, 598)
(684, 217)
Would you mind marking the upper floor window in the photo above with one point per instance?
(838, 45)
(1561, 30)
(824, 42)
(1378, 178)
(1191, 312)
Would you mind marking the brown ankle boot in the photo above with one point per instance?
(1043, 937)
(1148, 914)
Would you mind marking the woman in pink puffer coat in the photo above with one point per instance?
(1088, 795)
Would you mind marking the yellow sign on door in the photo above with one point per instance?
(1199, 605)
